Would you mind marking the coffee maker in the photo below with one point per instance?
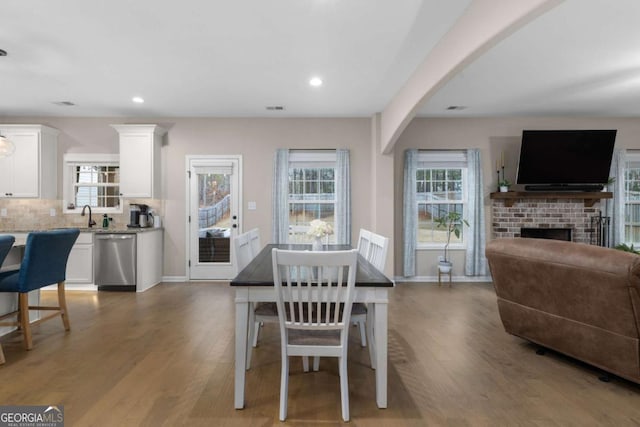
(138, 216)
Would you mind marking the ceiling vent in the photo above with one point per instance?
(456, 107)
(275, 107)
(3, 52)
(64, 103)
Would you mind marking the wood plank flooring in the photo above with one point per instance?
(165, 358)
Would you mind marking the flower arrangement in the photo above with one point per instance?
(319, 228)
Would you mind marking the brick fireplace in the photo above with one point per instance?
(513, 211)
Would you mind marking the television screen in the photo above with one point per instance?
(565, 156)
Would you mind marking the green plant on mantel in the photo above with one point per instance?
(504, 183)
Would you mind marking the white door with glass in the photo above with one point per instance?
(213, 215)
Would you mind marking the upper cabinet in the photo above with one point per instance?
(140, 160)
(32, 170)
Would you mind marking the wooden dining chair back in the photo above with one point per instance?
(44, 263)
(6, 242)
(314, 294)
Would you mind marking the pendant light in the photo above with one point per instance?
(6, 147)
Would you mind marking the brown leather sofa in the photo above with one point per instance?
(577, 299)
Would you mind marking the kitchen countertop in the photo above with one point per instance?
(119, 230)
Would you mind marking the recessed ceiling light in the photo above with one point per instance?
(315, 81)
(137, 99)
(456, 107)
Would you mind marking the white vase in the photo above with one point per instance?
(317, 245)
(504, 189)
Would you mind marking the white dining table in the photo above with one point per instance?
(255, 284)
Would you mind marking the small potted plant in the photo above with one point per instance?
(452, 223)
(504, 185)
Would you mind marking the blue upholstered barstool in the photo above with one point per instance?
(5, 246)
(44, 263)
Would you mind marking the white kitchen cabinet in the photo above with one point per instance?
(140, 160)
(80, 262)
(32, 170)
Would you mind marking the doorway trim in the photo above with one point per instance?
(189, 158)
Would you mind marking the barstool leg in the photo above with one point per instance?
(62, 302)
(23, 315)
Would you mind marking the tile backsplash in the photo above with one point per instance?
(27, 214)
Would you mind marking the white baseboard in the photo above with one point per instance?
(434, 279)
(174, 279)
(72, 287)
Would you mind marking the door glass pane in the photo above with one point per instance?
(214, 217)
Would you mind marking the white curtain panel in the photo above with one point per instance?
(343, 198)
(615, 208)
(280, 202)
(475, 260)
(410, 212)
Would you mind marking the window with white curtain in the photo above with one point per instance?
(312, 192)
(441, 183)
(94, 180)
(632, 199)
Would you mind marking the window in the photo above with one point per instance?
(440, 189)
(312, 192)
(92, 179)
(632, 199)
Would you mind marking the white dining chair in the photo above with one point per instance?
(314, 308)
(242, 251)
(372, 247)
(247, 246)
(363, 242)
(359, 314)
(254, 241)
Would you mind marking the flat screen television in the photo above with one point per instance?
(571, 160)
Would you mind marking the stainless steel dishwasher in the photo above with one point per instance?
(115, 261)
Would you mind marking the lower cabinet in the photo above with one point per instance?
(80, 262)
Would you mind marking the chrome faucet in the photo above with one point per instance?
(91, 221)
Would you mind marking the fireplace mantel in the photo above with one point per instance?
(590, 198)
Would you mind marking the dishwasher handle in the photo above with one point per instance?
(115, 236)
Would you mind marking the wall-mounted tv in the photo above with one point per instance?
(572, 160)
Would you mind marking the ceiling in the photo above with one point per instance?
(205, 58)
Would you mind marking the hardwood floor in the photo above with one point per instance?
(165, 357)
